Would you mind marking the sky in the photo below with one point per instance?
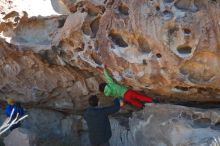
(33, 7)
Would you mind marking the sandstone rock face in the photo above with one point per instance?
(160, 47)
(54, 127)
(155, 125)
(165, 48)
(175, 125)
(28, 77)
(167, 125)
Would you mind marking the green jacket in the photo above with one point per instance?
(112, 88)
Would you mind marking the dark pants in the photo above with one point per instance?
(104, 144)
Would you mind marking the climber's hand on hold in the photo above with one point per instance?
(122, 103)
(105, 66)
(99, 69)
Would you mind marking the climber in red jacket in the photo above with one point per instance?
(111, 88)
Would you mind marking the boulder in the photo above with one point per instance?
(20, 137)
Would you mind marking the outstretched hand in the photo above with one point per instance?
(100, 69)
(121, 103)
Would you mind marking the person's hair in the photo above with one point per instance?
(93, 100)
(102, 87)
(10, 101)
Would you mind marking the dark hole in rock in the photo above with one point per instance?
(183, 71)
(96, 59)
(158, 55)
(80, 4)
(174, 120)
(95, 26)
(16, 19)
(110, 2)
(6, 89)
(124, 121)
(186, 31)
(143, 45)
(90, 47)
(185, 5)
(96, 45)
(157, 8)
(200, 4)
(164, 68)
(78, 49)
(203, 90)
(113, 46)
(144, 61)
(118, 40)
(184, 49)
(86, 29)
(167, 15)
(216, 126)
(82, 10)
(62, 53)
(202, 123)
(172, 33)
(182, 4)
(182, 88)
(82, 45)
(61, 22)
(55, 49)
(123, 9)
(92, 12)
(102, 8)
(168, 1)
(48, 56)
(60, 44)
(186, 115)
(72, 8)
(3, 13)
(194, 116)
(172, 30)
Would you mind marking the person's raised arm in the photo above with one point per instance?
(107, 76)
(112, 109)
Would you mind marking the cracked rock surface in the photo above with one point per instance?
(167, 49)
(161, 47)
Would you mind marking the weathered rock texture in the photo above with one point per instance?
(28, 77)
(166, 48)
(170, 125)
(169, 48)
(20, 137)
(155, 125)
